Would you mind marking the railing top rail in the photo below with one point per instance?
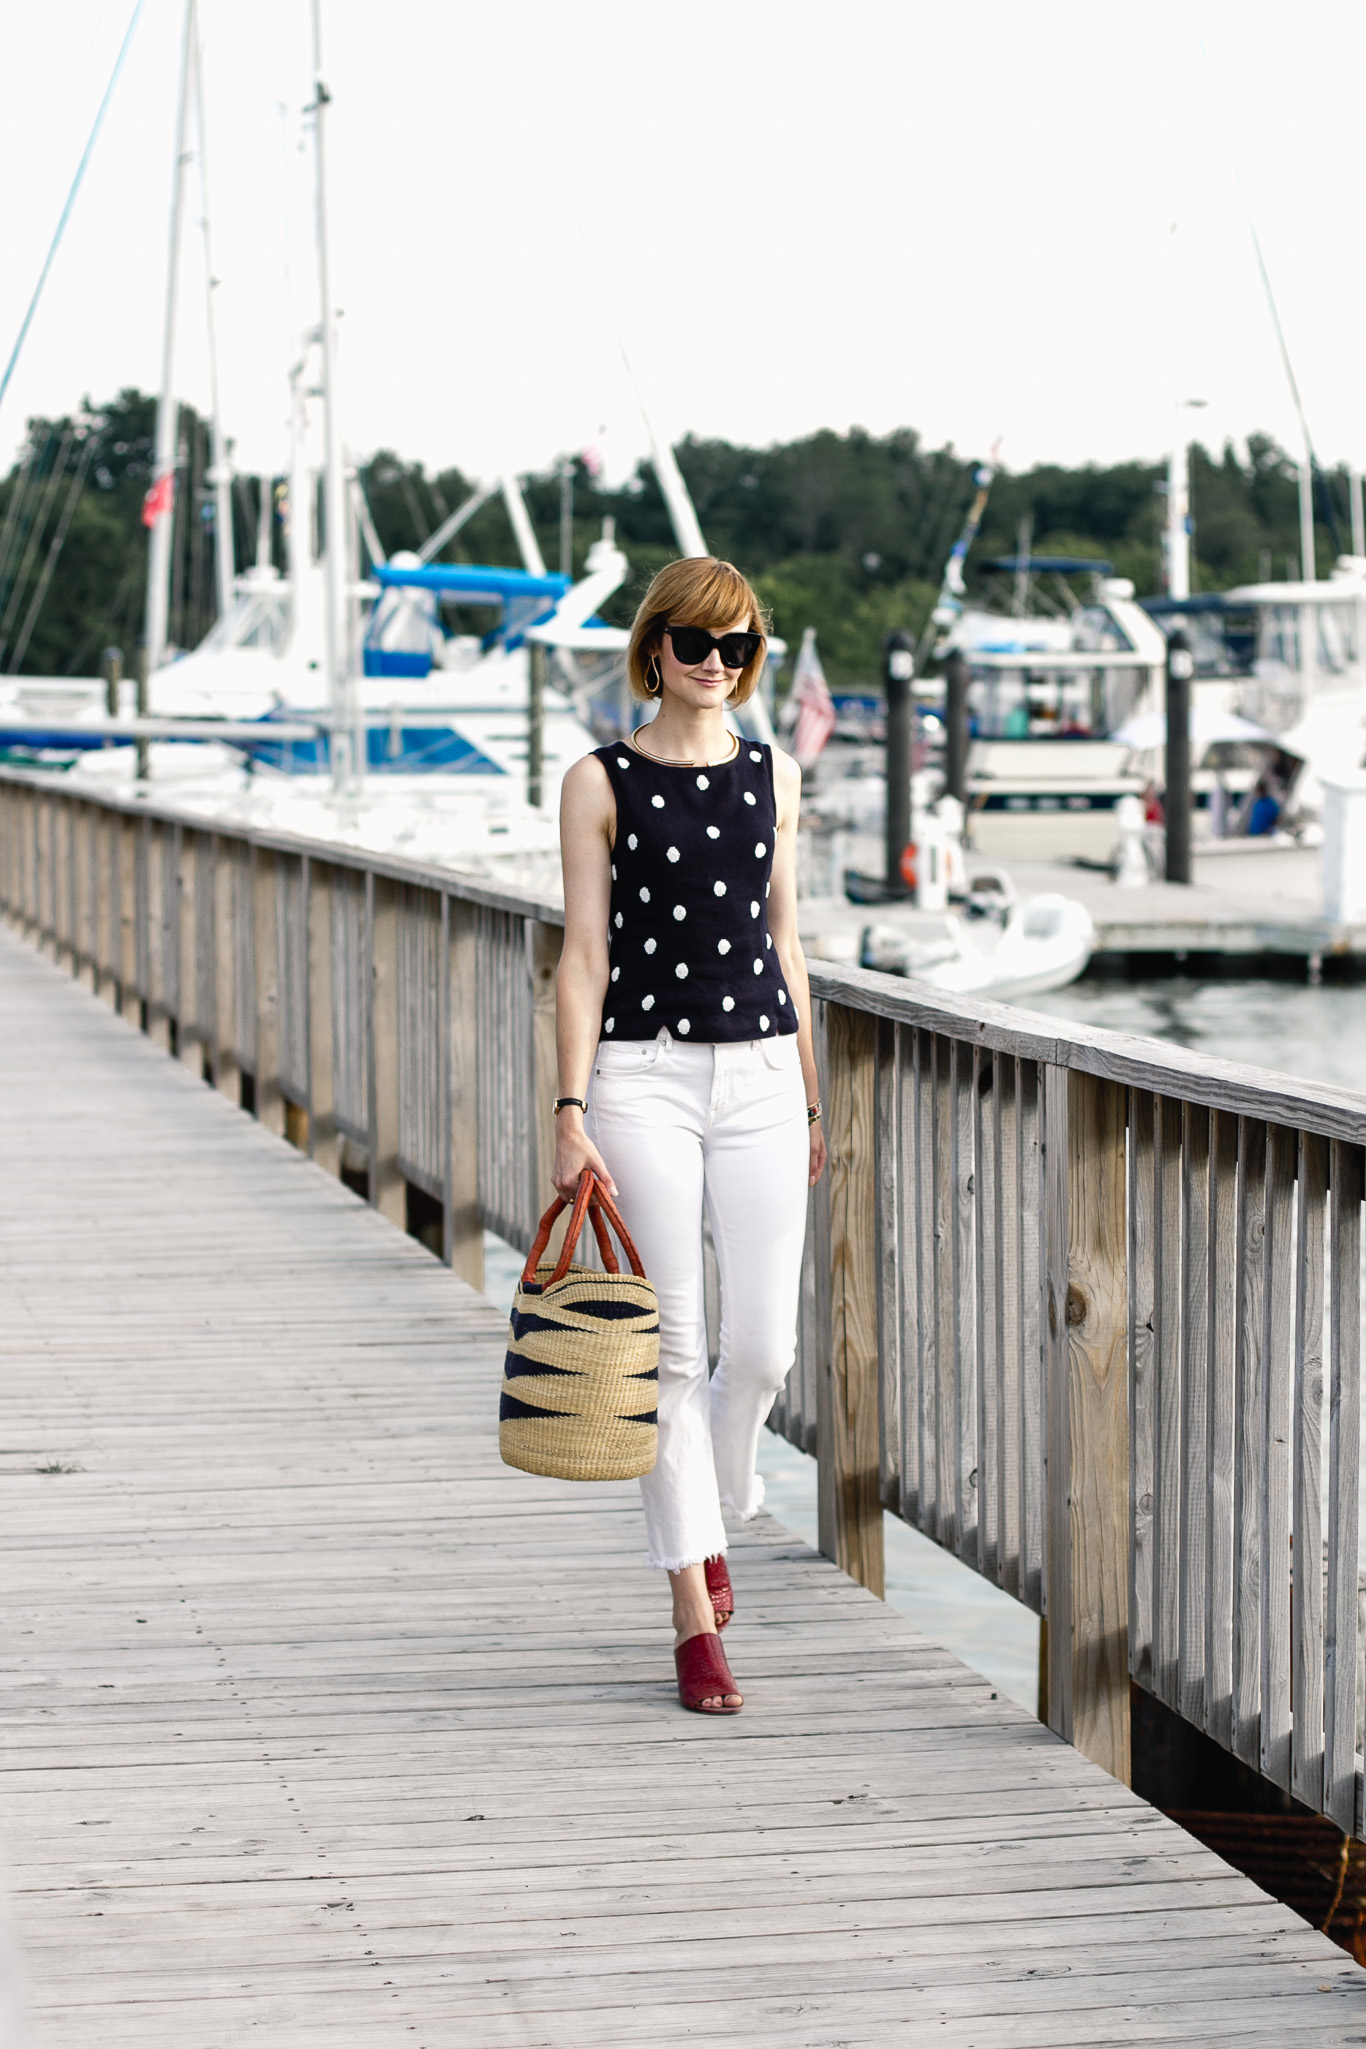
(1124, 1057)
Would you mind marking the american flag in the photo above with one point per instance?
(812, 703)
(159, 498)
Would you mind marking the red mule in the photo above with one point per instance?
(720, 1589)
(703, 1674)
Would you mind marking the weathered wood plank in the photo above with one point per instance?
(1278, 1297)
(851, 1114)
(1341, 1648)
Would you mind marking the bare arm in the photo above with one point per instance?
(782, 923)
(587, 823)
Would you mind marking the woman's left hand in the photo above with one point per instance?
(817, 1163)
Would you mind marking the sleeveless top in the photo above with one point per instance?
(689, 944)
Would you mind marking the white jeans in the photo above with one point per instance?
(678, 1125)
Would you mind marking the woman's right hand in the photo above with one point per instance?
(575, 1150)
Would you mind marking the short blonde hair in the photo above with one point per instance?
(698, 590)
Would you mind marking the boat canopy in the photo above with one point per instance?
(1051, 565)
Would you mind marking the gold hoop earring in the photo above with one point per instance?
(654, 681)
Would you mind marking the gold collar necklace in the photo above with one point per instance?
(671, 761)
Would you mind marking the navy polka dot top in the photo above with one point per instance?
(690, 944)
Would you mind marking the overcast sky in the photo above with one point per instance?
(978, 219)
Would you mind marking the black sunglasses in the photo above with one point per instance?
(692, 644)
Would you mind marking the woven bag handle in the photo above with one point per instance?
(591, 1199)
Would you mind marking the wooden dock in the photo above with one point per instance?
(322, 1727)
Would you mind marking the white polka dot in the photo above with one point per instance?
(618, 921)
(684, 1027)
(763, 1024)
(768, 889)
(758, 967)
(650, 945)
(768, 939)
(754, 909)
(750, 797)
(723, 946)
(759, 851)
(622, 762)
(658, 803)
(609, 1024)
(647, 1002)
(704, 782)
(782, 996)
(632, 842)
(755, 755)
(645, 896)
(727, 1003)
(713, 832)
(614, 871)
(673, 853)
(616, 974)
(679, 913)
(718, 888)
(682, 971)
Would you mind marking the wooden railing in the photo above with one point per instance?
(1084, 1308)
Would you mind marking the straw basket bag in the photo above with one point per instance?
(581, 1377)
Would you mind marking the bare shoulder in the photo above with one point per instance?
(787, 777)
(586, 791)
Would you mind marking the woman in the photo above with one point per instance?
(682, 993)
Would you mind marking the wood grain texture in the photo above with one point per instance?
(851, 1114)
(1248, 1455)
(1342, 1649)
(324, 1139)
(1220, 1585)
(1167, 1466)
(321, 1719)
(1306, 1649)
(1097, 1328)
(464, 1231)
(543, 946)
(888, 1226)
(1142, 1255)
(1278, 1300)
(388, 1192)
(1195, 1272)
(261, 879)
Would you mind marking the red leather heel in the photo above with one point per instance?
(703, 1674)
(719, 1588)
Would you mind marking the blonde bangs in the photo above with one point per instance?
(697, 590)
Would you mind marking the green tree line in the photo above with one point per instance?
(844, 532)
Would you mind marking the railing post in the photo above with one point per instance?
(388, 1192)
(227, 1072)
(546, 943)
(464, 1231)
(1086, 1304)
(849, 1493)
(189, 1023)
(324, 1139)
(270, 1104)
(157, 945)
(129, 832)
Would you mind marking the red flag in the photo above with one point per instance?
(159, 498)
(814, 705)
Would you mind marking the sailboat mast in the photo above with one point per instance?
(220, 475)
(162, 492)
(348, 754)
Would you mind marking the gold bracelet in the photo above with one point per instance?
(813, 1112)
